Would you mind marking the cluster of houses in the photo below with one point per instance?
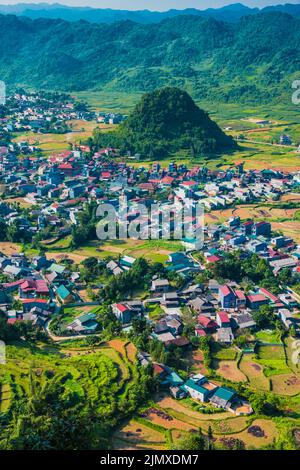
(40, 112)
(200, 388)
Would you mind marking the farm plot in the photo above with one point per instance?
(166, 420)
(254, 372)
(136, 434)
(229, 370)
(264, 433)
(273, 359)
(222, 353)
(285, 384)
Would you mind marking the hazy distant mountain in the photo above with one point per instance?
(255, 59)
(230, 13)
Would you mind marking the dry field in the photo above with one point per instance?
(134, 433)
(8, 248)
(229, 370)
(285, 384)
(251, 441)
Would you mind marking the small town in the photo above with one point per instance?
(199, 318)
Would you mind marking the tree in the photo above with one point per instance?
(264, 317)
(192, 442)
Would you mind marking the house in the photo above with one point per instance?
(279, 264)
(57, 268)
(213, 286)
(256, 246)
(199, 332)
(206, 323)
(199, 388)
(262, 228)
(227, 297)
(64, 295)
(171, 378)
(223, 320)
(289, 320)
(246, 227)
(127, 262)
(39, 262)
(33, 288)
(85, 324)
(254, 301)
(29, 304)
(160, 285)
(243, 321)
(170, 299)
(274, 300)
(179, 342)
(13, 272)
(240, 299)
(164, 337)
(225, 335)
(196, 391)
(223, 397)
(125, 313)
(178, 392)
(201, 305)
(113, 267)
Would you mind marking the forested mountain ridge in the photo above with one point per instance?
(230, 13)
(253, 60)
(166, 121)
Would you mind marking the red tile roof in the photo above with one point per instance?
(121, 307)
(206, 322)
(223, 317)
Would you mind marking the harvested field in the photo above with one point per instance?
(134, 432)
(131, 352)
(290, 229)
(170, 424)
(229, 370)
(254, 372)
(269, 429)
(118, 345)
(285, 384)
(8, 248)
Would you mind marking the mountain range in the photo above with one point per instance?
(230, 13)
(253, 60)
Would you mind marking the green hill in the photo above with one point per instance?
(164, 121)
(254, 60)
